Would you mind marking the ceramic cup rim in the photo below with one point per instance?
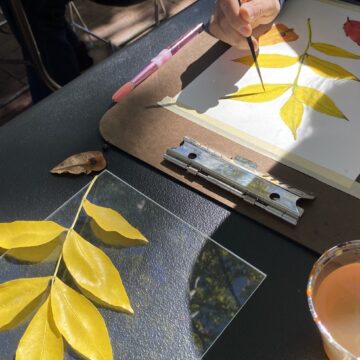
(328, 255)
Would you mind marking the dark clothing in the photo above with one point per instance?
(63, 55)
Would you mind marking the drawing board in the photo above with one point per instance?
(310, 119)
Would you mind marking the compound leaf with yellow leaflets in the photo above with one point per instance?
(328, 69)
(123, 233)
(269, 60)
(22, 234)
(80, 323)
(19, 298)
(318, 101)
(94, 273)
(255, 93)
(333, 50)
(41, 340)
(291, 113)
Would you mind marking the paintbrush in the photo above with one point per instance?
(159, 60)
(253, 54)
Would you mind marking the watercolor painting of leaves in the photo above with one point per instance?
(300, 96)
(61, 312)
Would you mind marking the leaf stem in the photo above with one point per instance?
(73, 225)
(4, 254)
(304, 54)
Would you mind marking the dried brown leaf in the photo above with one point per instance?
(82, 163)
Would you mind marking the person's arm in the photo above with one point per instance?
(232, 23)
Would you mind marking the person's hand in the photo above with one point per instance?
(232, 23)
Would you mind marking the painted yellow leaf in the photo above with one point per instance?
(94, 273)
(19, 298)
(277, 34)
(333, 50)
(41, 340)
(328, 69)
(269, 60)
(80, 323)
(318, 101)
(291, 113)
(122, 233)
(21, 234)
(255, 93)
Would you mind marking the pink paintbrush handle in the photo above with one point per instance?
(155, 63)
(159, 60)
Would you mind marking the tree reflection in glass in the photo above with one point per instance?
(219, 286)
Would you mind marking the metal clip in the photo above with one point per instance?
(239, 177)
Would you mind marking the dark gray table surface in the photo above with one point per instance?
(275, 323)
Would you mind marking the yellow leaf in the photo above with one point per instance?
(94, 273)
(255, 93)
(328, 69)
(291, 113)
(19, 298)
(80, 323)
(41, 340)
(22, 234)
(109, 220)
(332, 50)
(277, 34)
(318, 101)
(269, 60)
(46, 252)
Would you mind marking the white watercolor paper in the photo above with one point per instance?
(327, 142)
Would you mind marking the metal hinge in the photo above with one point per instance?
(239, 177)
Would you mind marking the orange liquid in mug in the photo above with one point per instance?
(337, 303)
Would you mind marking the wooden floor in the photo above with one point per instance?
(117, 24)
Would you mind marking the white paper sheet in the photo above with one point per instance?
(330, 144)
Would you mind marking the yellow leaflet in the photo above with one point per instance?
(255, 93)
(21, 234)
(318, 101)
(291, 113)
(80, 323)
(19, 298)
(269, 60)
(328, 69)
(46, 252)
(122, 233)
(332, 50)
(41, 340)
(94, 273)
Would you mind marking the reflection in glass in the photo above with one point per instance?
(220, 285)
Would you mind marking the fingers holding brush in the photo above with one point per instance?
(259, 12)
(233, 23)
(227, 25)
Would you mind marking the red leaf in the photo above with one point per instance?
(352, 29)
(82, 163)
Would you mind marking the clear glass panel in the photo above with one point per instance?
(184, 287)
